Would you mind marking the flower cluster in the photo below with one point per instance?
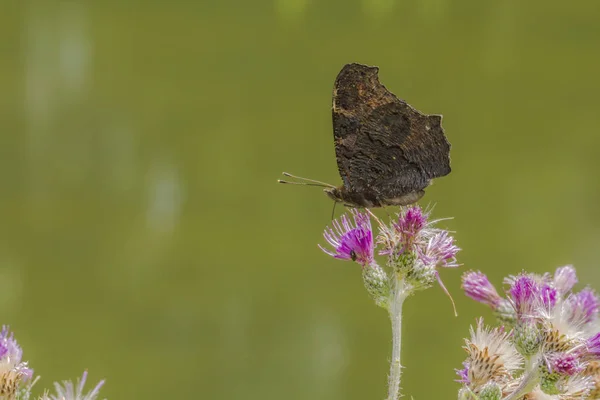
(549, 344)
(414, 249)
(16, 378)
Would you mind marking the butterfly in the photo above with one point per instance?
(387, 151)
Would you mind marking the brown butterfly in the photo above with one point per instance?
(387, 152)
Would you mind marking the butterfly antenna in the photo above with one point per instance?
(309, 182)
(300, 183)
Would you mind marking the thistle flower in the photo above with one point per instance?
(564, 363)
(441, 251)
(13, 372)
(351, 241)
(409, 225)
(415, 249)
(525, 296)
(491, 358)
(478, 287)
(409, 230)
(69, 391)
(16, 377)
(414, 233)
(354, 241)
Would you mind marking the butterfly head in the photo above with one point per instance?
(350, 199)
(334, 194)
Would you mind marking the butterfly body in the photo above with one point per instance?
(370, 198)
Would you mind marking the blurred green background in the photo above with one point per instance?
(143, 236)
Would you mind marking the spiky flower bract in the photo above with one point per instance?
(554, 332)
(492, 358)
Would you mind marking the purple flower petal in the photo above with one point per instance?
(463, 374)
(549, 296)
(441, 251)
(411, 222)
(593, 345)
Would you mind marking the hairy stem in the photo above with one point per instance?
(398, 296)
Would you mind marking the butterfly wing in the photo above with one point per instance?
(382, 144)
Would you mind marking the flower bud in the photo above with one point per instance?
(377, 284)
(490, 391)
(478, 287)
(527, 339)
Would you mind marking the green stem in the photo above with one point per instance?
(398, 297)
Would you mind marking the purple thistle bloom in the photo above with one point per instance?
(351, 242)
(410, 223)
(441, 251)
(584, 305)
(477, 286)
(525, 295)
(565, 278)
(564, 364)
(11, 354)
